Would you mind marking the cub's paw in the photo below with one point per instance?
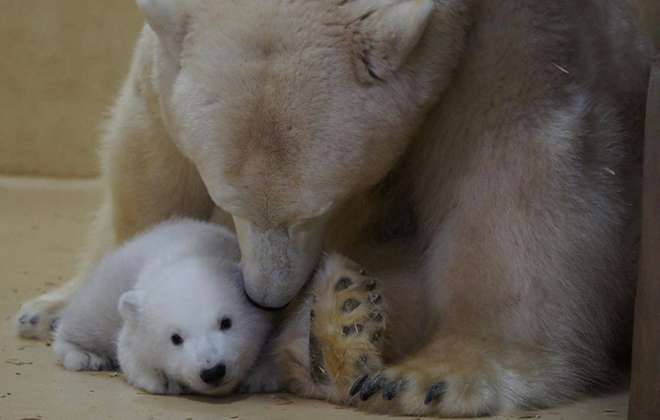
(347, 324)
(261, 379)
(74, 357)
(176, 388)
(155, 382)
(38, 317)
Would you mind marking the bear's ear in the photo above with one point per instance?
(167, 19)
(130, 305)
(384, 36)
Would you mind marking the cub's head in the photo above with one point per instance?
(189, 329)
(289, 107)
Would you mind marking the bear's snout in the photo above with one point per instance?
(213, 375)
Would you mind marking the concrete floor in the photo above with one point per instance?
(42, 226)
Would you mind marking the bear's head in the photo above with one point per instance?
(189, 328)
(289, 107)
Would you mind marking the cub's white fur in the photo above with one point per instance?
(181, 277)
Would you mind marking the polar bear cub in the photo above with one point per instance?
(169, 308)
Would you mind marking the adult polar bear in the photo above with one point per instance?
(479, 158)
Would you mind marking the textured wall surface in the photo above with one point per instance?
(62, 63)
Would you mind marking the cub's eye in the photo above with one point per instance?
(225, 324)
(177, 340)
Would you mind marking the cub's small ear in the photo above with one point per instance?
(130, 305)
(167, 19)
(384, 36)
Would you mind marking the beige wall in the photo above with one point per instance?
(62, 62)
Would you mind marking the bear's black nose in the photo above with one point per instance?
(213, 375)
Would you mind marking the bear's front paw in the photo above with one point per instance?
(348, 320)
(451, 377)
(74, 357)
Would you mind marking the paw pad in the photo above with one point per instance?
(343, 284)
(376, 316)
(348, 321)
(349, 305)
(352, 329)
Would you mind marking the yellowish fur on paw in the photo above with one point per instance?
(348, 319)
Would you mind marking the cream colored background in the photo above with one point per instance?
(62, 62)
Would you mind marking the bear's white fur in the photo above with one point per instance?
(181, 277)
(479, 159)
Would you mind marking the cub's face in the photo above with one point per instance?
(193, 331)
(288, 108)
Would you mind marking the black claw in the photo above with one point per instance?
(363, 273)
(370, 285)
(435, 392)
(343, 283)
(312, 314)
(34, 320)
(350, 305)
(372, 386)
(393, 388)
(357, 385)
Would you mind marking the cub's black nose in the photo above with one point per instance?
(213, 375)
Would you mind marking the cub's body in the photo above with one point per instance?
(180, 277)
